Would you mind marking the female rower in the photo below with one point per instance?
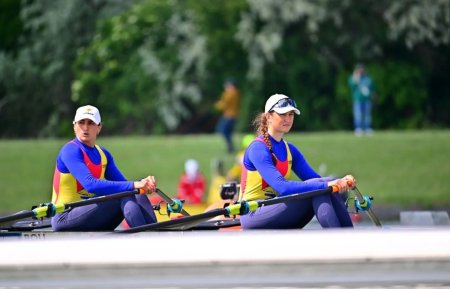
(84, 170)
(267, 165)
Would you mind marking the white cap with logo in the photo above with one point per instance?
(275, 103)
(89, 112)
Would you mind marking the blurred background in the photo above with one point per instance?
(157, 67)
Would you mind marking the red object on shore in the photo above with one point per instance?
(356, 218)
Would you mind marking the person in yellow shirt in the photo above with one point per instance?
(217, 180)
(220, 178)
(234, 173)
(229, 105)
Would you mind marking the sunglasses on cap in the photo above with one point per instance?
(284, 102)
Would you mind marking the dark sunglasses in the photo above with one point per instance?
(285, 102)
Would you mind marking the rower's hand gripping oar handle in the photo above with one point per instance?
(334, 188)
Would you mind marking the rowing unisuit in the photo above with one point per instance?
(258, 171)
(262, 179)
(77, 161)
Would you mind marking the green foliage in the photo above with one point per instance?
(419, 21)
(148, 61)
(11, 24)
(400, 95)
(36, 78)
(158, 66)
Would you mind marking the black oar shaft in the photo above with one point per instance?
(17, 216)
(191, 221)
(177, 224)
(100, 199)
(369, 211)
(294, 197)
(169, 201)
(41, 211)
(373, 217)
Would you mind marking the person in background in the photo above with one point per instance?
(229, 105)
(192, 183)
(362, 91)
(218, 178)
(234, 173)
(216, 199)
(268, 162)
(85, 170)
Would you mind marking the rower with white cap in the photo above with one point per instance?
(84, 170)
(268, 163)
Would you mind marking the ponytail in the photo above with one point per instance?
(260, 124)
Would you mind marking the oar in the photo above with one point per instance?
(176, 207)
(364, 203)
(234, 209)
(43, 211)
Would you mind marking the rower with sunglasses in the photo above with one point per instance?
(268, 162)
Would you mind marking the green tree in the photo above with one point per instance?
(165, 59)
(304, 48)
(11, 26)
(157, 66)
(36, 78)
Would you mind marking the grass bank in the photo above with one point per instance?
(406, 168)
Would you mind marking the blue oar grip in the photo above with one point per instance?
(245, 208)
(365, 205)
(176, 206)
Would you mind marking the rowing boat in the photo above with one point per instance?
(213, 219)
(41, 230)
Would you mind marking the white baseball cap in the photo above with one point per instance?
(191, 167)
(281, 103)
(89, 112)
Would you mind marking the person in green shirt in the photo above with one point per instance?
(363, 91)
